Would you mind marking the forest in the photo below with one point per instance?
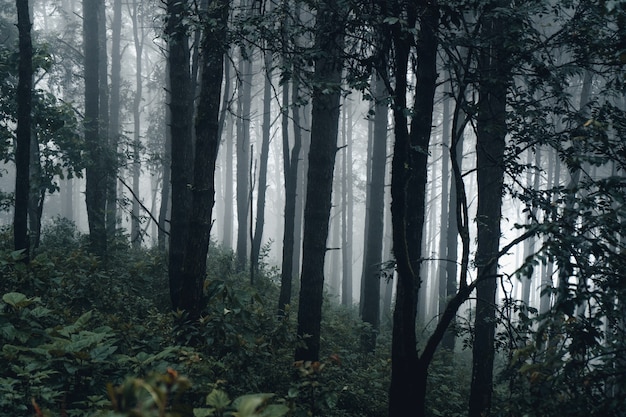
(313, 208)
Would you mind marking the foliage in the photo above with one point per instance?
(73, 325)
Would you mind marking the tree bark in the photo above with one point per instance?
(243, 154)
(207, 144)
(95, 192)
(263, 157)
(135, 232)
(326, 98)
(23, 135)
(181, 165)
(490, 144)
(370, 310)
(408, 187)
(114, 116)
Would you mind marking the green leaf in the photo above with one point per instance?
(247, 404)
(17, 300)
(203, 412)
(218, 399)
(274, 410)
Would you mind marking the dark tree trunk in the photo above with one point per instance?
(166, 162)
(181, 165)
(490, 143)
(263, 157)
(291, 162)
(23, 136)
(114, 116)
(376, 213)
(37, 194)
(95, 192)
(207, 144)
(324, 131)
(408, 188)
(243, 156)
(347, 219)
(226, 173)
(135, 232)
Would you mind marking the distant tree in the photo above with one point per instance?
(372, 258)
(23, 134)
(114, 115)
(136, 16)
(326, 96)
(244, 100)
(263, 157)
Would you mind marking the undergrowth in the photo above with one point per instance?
(84, 336)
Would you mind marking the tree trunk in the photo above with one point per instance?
(95, 192)
(490, 144)
(326, 99)
(375, 227)
(243, 155)
(408, 188)
(135, 233)
(207, 144)
(263, 157)
(348, 215)
(166, 162)
(114, 116)
(181, 165)
(37, 194)
(22, 149)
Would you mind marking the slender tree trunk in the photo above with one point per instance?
(23, 137)
(95, 192)
(243, 155)
(348, 217)
(490, 144)
(326, 98)
(207, 144)
(408, 187)
(166, 162)
(135, 234)
(37, 194)
(225, 176)
(114, 116)
(181, 165)
(263, 158)
(375, 227)
(103, 109)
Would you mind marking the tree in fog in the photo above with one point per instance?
(95, 192)
(211, 68)
(326, 97)
(408, 190)
(372, 257)
(177, 36)
(23, 135)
